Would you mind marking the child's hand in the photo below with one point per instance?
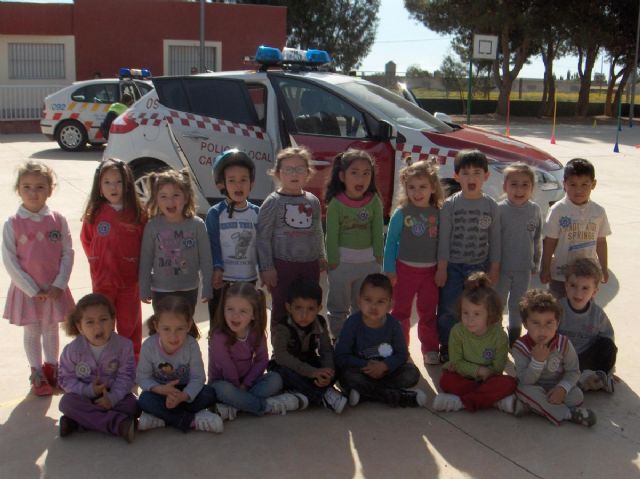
(332, 266)
(104, 402)
(494, 274)
(166, 389)
(204, 300)
(217, 280)
(41, 296)
(484, 373)
(545, 276)
(441, 277)
(98, 388)
(393, 277)
(540, 352)
(174, 399)
(556, 395)
(322, 263)
(379, 259)
(54, 293)
(323, 376)
(146, 300)
(269, 278)
(375, 369)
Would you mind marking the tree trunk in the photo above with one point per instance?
(621, 86)
(582, 107)
(504, 82)
(549, 92)
(610, 107)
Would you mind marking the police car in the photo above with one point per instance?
(72, 116)
(290, 101)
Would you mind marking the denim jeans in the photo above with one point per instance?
(182, 415)
(302, 384)
(406, 376)
(457, 273)
(252, 400)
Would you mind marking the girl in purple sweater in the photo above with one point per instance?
(97, 372)
(238, 357)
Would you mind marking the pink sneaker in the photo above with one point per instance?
(39, 384)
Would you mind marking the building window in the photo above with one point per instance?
(185, 59)
(36, 61)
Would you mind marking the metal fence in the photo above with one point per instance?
(19, 102)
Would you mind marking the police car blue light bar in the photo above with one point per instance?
(135, 72)
(272, 56)
(319, 57)
(268, 55)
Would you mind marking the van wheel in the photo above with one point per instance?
(71, 136)
(141, 168)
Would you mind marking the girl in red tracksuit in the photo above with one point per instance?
(112, 227)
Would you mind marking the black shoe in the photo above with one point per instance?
(444, 354)
(67, 426)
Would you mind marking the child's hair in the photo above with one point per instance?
(130, 201)
(305, 289)
(292, 152)
(479, 291)
(254, 296)
(175, 305)
(539, 301)
(75, 316)
(470, 159)
(579, 167)
(584, 268)
(519, 168)
(341, 163)
(420, 169)
(377, 280)
(180, 179)
(35, 168)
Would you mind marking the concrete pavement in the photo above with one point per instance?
(371, 440)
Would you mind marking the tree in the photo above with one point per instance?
(345, 28)
(509, 20)
(453, 77)
(414, 71)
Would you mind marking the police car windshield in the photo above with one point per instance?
(394, 107)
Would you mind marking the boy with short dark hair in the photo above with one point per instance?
(587, 326)
(576, 227)
(302, 350)
(547, 364)
(371, 352)
(468, 240)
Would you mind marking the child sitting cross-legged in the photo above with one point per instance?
(588, 327)
(302, 349)
(371, 352)
(547, 364)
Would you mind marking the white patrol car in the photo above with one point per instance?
(72, 116)
(188, 121)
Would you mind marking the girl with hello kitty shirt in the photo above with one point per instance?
(290, 237)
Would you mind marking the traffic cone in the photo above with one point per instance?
(553, 139)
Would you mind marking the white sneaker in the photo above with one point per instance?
(275, 406)
(506, 404)
(333, 400)
(447, 402)
(292, 402)
(590, 381)
(226, 412)
(303, 401)
(149, 421)
(207, 421)
(354, 398)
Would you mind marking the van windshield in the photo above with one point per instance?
(393, 106)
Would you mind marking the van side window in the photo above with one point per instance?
(319, 112)
(258, 94)
(97, 93)
(143, 88)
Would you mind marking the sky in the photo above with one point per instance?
(406, 42)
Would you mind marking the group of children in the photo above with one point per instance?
(445, 254)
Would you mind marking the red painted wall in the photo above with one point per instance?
(115, 33)
(36, 19)
(110, 34)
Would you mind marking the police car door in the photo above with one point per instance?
(210, 115)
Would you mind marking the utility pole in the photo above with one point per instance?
(633, 72)
(202, 65)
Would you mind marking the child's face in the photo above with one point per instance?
(34, 190)
(237, 181)
(374, 303)
(580, 290)
(238, 314)
(474, 317)
(419, 191)
(519, 188)
(356, 179)
(578, 188)
(171, 201)
(172, 330)
(471, 179)
(303, 311)
(96, 325)
(542, 326)
(293, 175)
(111, 186)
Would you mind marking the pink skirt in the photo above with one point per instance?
(20, 309)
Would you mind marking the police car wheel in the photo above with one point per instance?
(71, 136)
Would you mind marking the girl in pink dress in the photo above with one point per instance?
(37, 253)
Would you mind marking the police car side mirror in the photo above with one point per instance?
(385, 130)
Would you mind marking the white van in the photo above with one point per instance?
(187, 121)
